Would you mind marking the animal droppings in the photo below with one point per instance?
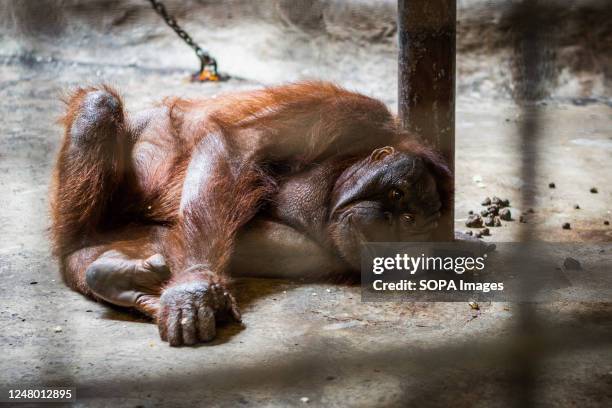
(572, 264)
(474, 221)
(505, 214)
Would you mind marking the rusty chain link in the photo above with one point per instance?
(208, 65)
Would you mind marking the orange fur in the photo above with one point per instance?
(81, 188)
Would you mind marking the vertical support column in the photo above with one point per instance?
(427, 30)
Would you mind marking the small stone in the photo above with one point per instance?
(485, 231)
(484, 213)
(594, 190)
(474, 221)
(486, 201)
(496, 200)
(488, 221)
(506, 202)
(478, 234)
(523, 219)
(33, 283)
(57, 329)
(470, 212)
(474, 305)
(551, 185)
(576, 207)
(531, 211)
(572, 264)
(305, 400)
(606, 222)
(582, 101)
(497, 222)
(566, 225)
(505, 214)
(468, 232)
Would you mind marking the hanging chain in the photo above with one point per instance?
(208, 65)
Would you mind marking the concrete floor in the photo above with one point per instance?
(314, 341)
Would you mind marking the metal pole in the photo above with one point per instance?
(427, 30)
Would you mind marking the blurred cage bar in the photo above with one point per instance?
(427, 53)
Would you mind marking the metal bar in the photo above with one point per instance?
(530, 25)
(427, 30)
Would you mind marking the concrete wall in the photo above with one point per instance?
(347, 41)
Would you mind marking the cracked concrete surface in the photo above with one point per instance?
(317, 341)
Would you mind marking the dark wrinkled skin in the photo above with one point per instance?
(99, 110)
(190, 311)
(392, 198)
(124, 281)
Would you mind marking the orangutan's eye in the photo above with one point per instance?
(395, 194)
(408, 218)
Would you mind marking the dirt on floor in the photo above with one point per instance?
(300, 344)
